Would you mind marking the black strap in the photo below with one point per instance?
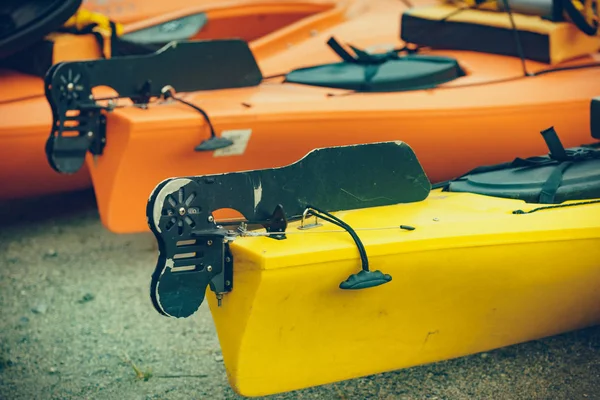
(550, 187)
(370, 62)
(340, 51)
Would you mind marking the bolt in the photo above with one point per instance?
(182, 211)
(209, 268)
(70, 86)
(227, 283)
(210, 218)
(90, 134)
(91, 97)
(228, 259)
(209, 242)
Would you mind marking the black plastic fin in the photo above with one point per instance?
(180, 210)
(365, 279)
(277, 223)
(213, 143)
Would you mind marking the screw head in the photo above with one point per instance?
(70, 86)
(90, 134)
(209, 268)
(227, 259)
(182, 211)
(227, 283)
(210, 218)
(209, 242)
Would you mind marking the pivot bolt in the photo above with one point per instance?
(182, 211)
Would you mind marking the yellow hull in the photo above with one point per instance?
(471, 277)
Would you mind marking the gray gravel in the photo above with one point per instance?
(76, 313)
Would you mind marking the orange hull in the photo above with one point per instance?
(140, 11)
(25, 116)
(468, 122)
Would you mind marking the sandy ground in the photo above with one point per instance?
(74, 308)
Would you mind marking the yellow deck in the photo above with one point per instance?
(471, 277)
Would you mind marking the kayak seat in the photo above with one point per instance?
(563, 175)
(387, 72)
(445, 26)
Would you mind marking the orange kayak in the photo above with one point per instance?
(457, 108)
(25, 114)
(141, 12)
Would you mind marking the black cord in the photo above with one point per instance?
(517, 37)
(556, 206)
(336, 221)
(169, 95)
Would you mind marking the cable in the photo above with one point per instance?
(168, 94)
(517, 38)
(336, 221)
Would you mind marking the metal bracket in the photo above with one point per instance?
(79, 125)
(304, 226)
(277, 223)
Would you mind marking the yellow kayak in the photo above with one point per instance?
(363, 268)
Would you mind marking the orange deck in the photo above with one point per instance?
(491, 115)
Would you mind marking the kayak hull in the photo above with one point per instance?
(470, 278)
(450, 140)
